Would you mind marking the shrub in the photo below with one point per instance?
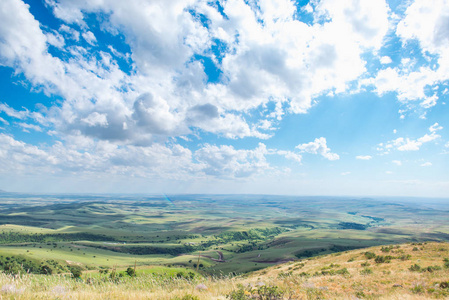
(13, 267)
(187, 297)
(405, 257)
(131, 272)
(269, 293)
(418, 289)
(366, 271)
(386, 249)
(46, 270)
(240, 294)
(415, 268)
(382, 259)
(370, 255)
(343, 271)
(446, 263)
(431, 269)
(261, 293)
(76, 272)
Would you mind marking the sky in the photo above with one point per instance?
(330, 97)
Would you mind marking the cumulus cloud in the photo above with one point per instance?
(426, 164)
(318, 146)
(280, 60)
(290, 155)
(385, 60)
(407, 144)
(226, 161)
(96, 119)
(364, 157)
(162, 161)
(411, 80)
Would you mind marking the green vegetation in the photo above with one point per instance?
(262, 292)
(228, 234)
(329, 276)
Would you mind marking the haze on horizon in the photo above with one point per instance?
(328, 97)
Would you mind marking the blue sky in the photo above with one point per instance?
(329, 97)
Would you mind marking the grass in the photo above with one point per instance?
(332, 276)
(310, 226)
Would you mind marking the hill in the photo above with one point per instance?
(406, 271)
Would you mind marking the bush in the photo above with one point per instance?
(446, 263)
(261, 293)
(13, 268)
(343, 271)
(46, 270)
(240, 294)
(431, 269)
(418, 289)
(382, 259)
(370, 255)
(187, 297)
(415, 268)
(76, 272)
(366, 271)
(131, 272)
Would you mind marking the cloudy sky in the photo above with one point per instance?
(330, 97)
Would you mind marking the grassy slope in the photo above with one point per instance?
(392, 280)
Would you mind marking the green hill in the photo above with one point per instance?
(406, 271)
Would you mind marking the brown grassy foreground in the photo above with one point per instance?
(409, 271)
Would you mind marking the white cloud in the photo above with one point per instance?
(96, 119)
(290, 155)
(435, 127)
(407, 144)
(345, 173)
(426, 164)
(226, 161)
(425, 22)
(397, 162)
(11, 112)
(27, 126)
(433, 34)
(385, 60)
(89, 37)
(364, 157)
(4, 121)
(319, 146)
(281, 60)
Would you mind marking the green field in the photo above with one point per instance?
(221, 233)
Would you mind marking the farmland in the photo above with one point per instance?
(216, 234)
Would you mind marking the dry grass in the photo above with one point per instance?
(319, 278)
